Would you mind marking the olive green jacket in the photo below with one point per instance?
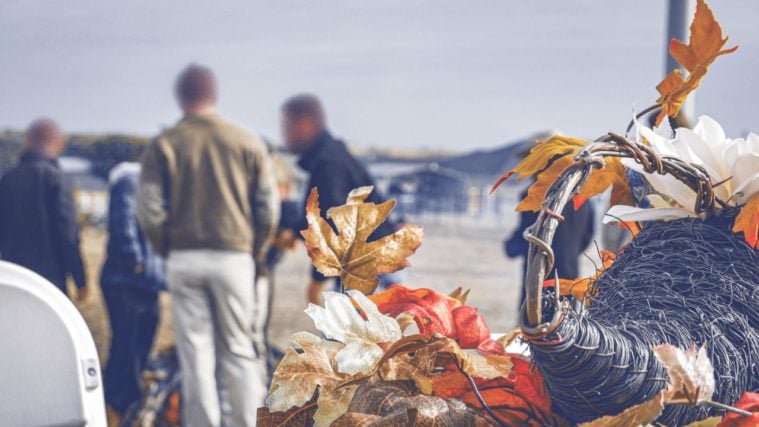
(207, 183)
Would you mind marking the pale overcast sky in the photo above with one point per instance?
(438, 74)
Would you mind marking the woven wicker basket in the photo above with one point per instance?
(686, 282)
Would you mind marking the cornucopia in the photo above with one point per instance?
(666, 332)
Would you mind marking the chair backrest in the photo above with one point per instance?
(49, 368)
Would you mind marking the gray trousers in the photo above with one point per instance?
(212, 301)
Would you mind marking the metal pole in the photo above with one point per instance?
(678, 26)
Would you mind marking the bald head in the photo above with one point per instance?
(196, 89)
(302, 122)
(45, 138)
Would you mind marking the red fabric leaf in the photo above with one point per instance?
(515, 396)
(748, 402)
(470, 327)
(437, 313)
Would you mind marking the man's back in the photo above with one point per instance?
(335, 172)
(37, 220)
(214, 175)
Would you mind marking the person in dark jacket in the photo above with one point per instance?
(572, 236)
(331, 167)
(131, 279)
(38, 222)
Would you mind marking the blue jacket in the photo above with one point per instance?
(127, 246)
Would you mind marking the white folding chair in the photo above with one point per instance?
(49, 369)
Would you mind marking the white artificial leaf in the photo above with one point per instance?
(341, 320)
(691, 375)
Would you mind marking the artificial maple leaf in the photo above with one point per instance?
(347, 254)
(634, 416)
(550, 158)
(612, 174)
(307, 364)
(704, 46)
(748, 402)
(691, 375)
(747, 221)
(333, 404)
(355, 321)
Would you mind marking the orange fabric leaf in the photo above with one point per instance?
(611, 175)
(522, 395)
(747, 221)
(537, 191)
(704, 46)
(542, 156)
(550, 158)
(748, 402)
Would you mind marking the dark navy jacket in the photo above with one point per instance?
(127, 246)
(38, 225)
(335, 172)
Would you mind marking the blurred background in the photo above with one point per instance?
(438, 98)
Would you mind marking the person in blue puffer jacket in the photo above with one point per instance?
(131, 279)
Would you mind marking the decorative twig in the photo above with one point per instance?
(713, 404)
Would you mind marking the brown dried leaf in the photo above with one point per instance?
(309, 363)
(400, 399)
(691, 375)
(460, 295)
(427, 361)
(346, 254)
(634, 416)
(293, 417)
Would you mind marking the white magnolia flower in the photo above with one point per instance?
(732, 162)
(340, 320)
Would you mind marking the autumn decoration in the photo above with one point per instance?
(664, 333)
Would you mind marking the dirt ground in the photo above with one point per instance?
(464, 252)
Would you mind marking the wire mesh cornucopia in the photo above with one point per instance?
(685, 282)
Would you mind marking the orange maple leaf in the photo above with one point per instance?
(704, 46)
(747, 221)
(612, 174)
(550, 158)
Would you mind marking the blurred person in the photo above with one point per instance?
(283, 241)
(208, 201)
(572, 237)
(38, 218)
(131, 279)
(332, 170)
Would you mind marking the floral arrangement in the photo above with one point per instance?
(417, 357)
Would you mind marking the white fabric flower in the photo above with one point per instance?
(341, 320)
(732, 162)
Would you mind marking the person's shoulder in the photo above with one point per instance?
(240, 134)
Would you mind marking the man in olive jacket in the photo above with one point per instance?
(38, 225)
(208, 201)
